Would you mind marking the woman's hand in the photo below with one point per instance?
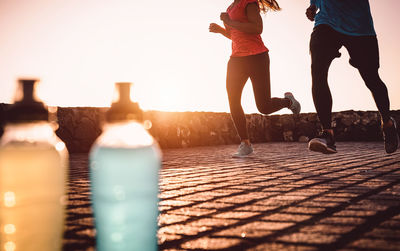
(225, 18)
(218, 29)
(215, 28)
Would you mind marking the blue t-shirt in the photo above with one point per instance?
(350, 17)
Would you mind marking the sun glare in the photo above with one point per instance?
(174, 62)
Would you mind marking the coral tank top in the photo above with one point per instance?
(244, 44)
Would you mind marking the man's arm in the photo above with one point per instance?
(312, 10)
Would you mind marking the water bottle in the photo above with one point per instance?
(124, 165)
(33, 170)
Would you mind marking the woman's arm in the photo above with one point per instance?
(218, 29)
(255, 24)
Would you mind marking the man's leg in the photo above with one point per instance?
(324, 47)
(378, 90)
(325, 142)
(364, 55)
(320, 89)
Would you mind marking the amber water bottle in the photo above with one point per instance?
(33, 169)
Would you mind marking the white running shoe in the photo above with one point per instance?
(295, 107)
(243, 150)
(324, 143)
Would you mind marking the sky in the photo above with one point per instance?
(80, 48)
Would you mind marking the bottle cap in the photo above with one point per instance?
(124, 109)
(28, 108)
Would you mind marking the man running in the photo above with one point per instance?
(345, 23)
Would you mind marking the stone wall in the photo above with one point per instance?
(80, 126)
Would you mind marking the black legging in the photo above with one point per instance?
(364, 55)
(323, 98)
(257, 68)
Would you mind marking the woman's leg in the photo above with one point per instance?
(235, 80)
(260, 78)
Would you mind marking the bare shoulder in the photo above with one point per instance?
(252, 9)
(252, 6)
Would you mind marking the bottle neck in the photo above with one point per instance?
(124, 134)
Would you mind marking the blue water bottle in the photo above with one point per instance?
(124, 165)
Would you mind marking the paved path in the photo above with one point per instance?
(282, 198)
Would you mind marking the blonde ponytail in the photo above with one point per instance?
(266, 5)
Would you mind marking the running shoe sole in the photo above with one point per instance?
(391, 149)
(241, 156)
(394, 149)
(318, 146)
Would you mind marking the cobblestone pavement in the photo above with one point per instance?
(281, 198)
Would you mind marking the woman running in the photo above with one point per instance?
(249, 59)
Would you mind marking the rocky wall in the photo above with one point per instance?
(80, 126)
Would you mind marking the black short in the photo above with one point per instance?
(363, 50)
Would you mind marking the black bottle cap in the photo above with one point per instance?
(124, 109)
(27, 109)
